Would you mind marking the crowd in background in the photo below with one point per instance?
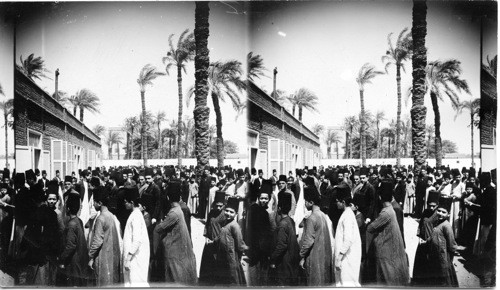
(321, 226)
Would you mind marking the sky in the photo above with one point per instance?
(6, 79)
(103, 46)
(322, 46)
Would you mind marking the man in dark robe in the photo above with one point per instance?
(151, 195)
(385, 245)
(420, 188)
(173, 245)
(204, 192)
(284, 260)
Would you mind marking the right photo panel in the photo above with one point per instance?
(376, 125)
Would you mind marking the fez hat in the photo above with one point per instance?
(4, 185)
(266, 187)
(385, 191)
(356, 172)
(455, 172)
(220, 196)
(311, 194)
(469, 184)
(100, 194)
(174, 190)
(464, 169)
(44, 171)
(285, 200)
(485, 179)
(30, 174)
(148, 171)
(310, 172)
(37, 171)
(84, 172)
(260, 171)
(399, 174)
(73, 203)
(19, 180)
(433, 196)
(446, 175)
(95, 173)
(363, 171)
(95, 181)
(132, 194)
(53, 187)
(282, 178)
(240, 172)
(375, 170)
(343, 193)
(233, 203)
(68, 178)
(230, 175)
(472, 172)
(445, 202)
(6, 173)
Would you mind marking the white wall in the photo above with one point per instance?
(452, 162)
(235, 163)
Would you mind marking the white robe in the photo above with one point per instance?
(136, 242)
(300, 211)
(347, 242)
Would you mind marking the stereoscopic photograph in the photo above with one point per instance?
(248, 144)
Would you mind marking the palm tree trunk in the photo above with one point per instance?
(201, 62)
(300, 113)
(169, 148)
(337, 148)
(346, 155)
(328, 149)
(350, 144)
(293, 110)
(218, 123)
(143, 130)
(6, 115)
(419, 62)
(118, 151)
(378, 140)
(437, 130)
(132, 144)
(179, 117)
(74, 111)
(362, 131)
(398, 116)
(471, 138)
(81, 114)
(110, 151)
(159, 139)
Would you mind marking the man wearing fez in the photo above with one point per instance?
(442, 247)
(274, 179)
(104, 249)
(74, 259)
(347, 243)
(135, 243)
(385, 245)
(171, 238)
(42, 238)
(259, 237)
(211, 232)
(284, 260)
(316, 244)
(367, 200)
(283, 188)
(241, 191)
(150, 197)
(204, 191)
(211, 194)
(457, 193)
(400, 189)
(52, 200)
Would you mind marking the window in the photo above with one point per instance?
(34, 139)
(59, 155)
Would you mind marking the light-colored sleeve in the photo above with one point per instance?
(137, 228)
(349, 226)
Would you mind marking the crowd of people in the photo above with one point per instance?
(343, 226)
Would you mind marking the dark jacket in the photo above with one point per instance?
(75, 255)
(259, 234)
(285, 255)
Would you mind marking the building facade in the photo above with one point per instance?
(276, 139)
(488, 120)
(47, 136)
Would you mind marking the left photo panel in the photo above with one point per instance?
(123, 116)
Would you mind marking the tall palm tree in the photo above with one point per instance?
(429, 131)
(224, 81)
(472, 107)
(146, 76)
(303, 98)
(129, 126)
(33, 67)
(318, 129)
(171, 134)
(365, 76)
(201, 111)
(419, 62)
(349, 125)
(98, 129)
(84, 99)
(255, 66)
(379, 117)
(7, 107)
(179, 56)
(397, 55)
(443, 78)
(159, 118)
(331, 137)
(113, 138)
(188, 133)
(406, 129)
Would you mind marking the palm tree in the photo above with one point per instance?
(84, 99)
(33, 67)
(113, 138)
(159, 117)
(171, 135)
(98, 129)
(406, 129)
(365, 75)
(350, 123)
(129, 126)
(472, 107)
(201, 111)
(146, 76)
(8, 109)
(443, 78)
(224, 81)
(419, 62)
(61, 97)
(178, 56)
(331, 137)
(303, 99)
(429, 131)
(397, 55)
(318, 129)
(379, 117)
(1, 90)
(188, 133)
(255, 66)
